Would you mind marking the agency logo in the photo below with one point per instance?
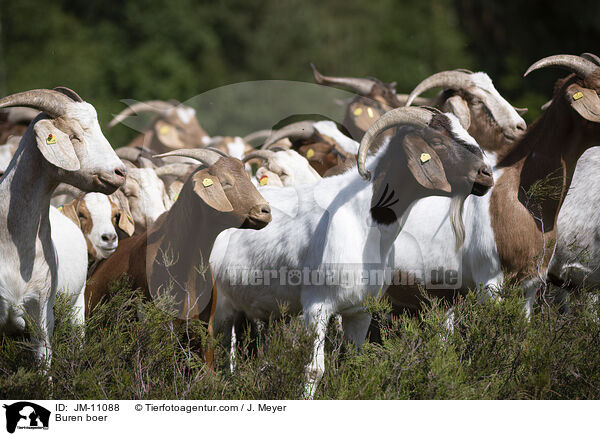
(26, 415)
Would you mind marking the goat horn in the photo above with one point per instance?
(52, 102)
(216, 150)
(69, 93)
(576, 64)
(443, 79)
(207, 157)
(260, 134)
(259, 154)
(591, 57)
(405, 115)
(299, 130)
(155, 106)
(214, 141)
(278, 147)
(360, 86)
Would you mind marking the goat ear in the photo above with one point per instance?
(459, 107)
(69, 211)
(125, 222)
(585, 101)
(167, 134)
(209, 189)
(424, 163)
(55, 146)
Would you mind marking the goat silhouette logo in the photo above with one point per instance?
(26, 415)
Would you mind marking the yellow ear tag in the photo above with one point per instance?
(164, 130)
(51, 139)
(61, 207)
(207, 182)
(129, 218)
(310, 153)
(176, 197)
(263, 180)
(370, 112)
(577, 95)
(425, 157)
(357, 112)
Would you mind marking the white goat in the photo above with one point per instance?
(343, 225)
(576, 258)
(63, 144)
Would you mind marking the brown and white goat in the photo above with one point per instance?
(172, 255)
(513, 230)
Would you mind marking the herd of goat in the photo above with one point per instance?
(455, 183)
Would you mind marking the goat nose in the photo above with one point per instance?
(521, 126)
(266, 209)
(485, 171)
(121, 171)
(109, 237)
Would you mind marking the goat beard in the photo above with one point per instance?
(457, 205)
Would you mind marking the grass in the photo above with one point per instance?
(131, 350)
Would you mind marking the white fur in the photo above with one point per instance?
(330, 129)
(291, 168)
(577, 253)
(236, 148)
(186, 114)
(103, 235)
(503, 112)
(148, 198)
(71, 252)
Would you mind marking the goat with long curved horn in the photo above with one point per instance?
(207, 157)
(406, 115)
(298, 130)
(360, 86)
(259, 154)
(457, 79)
(155, 106)
(54, 103)
(576, 64)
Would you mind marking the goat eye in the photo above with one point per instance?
(226, 184)
(74, 138)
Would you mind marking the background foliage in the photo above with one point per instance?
(109, 50)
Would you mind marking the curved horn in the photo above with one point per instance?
(578, 65)
(405, 115)
(52, 102)
(207, 157)
(591, 57)
(298, 130)
(69, 93)
(259, 154)
(443, 79)
(276, 148)
(216, 150)
(360, 86)
(155, 106)
(260, 134)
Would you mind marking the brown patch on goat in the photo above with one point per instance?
(172, 255)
